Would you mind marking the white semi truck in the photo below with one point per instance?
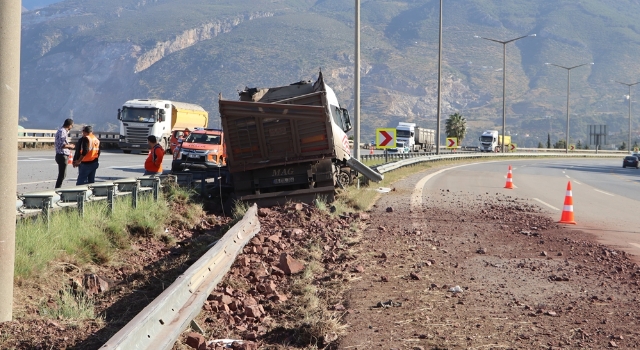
(415, 138)
(140, 118)
(491, 141)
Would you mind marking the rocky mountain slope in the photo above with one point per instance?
(83, 58)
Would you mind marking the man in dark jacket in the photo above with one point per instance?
(86, 157)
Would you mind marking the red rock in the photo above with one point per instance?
(195, 340)
(94, 284)
(613, 344)
(255, 241)
(359, 269)
(276, 271)
(274, 238)
(364, 216)
(298, 206)
(414, 276)
(271, 287)
(252, 311)
(279, 298)
(228, 291)
(249, 301)
(389, 210)
(289, 265)
(245, 261)
(225, 299)
(263, 212)
(384, 279)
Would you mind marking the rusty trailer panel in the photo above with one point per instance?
(260, 135)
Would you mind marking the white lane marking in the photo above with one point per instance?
(547, 204)
(608, 194)
(126, 167)
(36, 182)
(514, 169)
(416, 195)
(579, 183)
(563, 171)
(635, 244)
(37, 160)
(567, 176)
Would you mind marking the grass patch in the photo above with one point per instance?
(69, 306)
(239, 209)
(98, 236)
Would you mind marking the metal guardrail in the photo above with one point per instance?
(384, 168)
(160, 324)
(48, 136)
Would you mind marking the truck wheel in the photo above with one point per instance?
(344, 179)
(126, 151)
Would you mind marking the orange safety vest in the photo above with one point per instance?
(93, 150)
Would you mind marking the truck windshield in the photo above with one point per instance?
(341, 117)
(145, 115)
(486, 138)
(402, 133)
(203, 138)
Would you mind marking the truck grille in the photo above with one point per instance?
(137, 134)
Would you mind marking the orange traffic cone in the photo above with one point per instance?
(370, 150)
(70, 160)
(567, 210)
(509, 184)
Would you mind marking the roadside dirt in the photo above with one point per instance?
(524, 281)
(118, 290)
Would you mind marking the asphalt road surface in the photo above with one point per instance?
(606, 197)
(37, 170)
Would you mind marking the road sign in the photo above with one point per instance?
(512, 147)
(572, 148)
(385, 138)
(452, 142)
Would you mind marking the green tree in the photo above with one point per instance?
(579, 145)
(548, 140)
(623, 146)
(456, 126)
(540, 145)
(560, 144)
(586, 146)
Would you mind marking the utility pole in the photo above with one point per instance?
(439, 83)
(629, 85)
(10, 12)
(356, 94)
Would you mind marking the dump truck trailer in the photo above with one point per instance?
(289, 143)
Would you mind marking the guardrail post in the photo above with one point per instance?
(134, 196)
(80, 201)
(386, 156)
(46, 211)
(156, 189)
(110, 199)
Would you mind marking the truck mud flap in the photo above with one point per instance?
(281, 198)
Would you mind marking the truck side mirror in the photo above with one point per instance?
(119, 114)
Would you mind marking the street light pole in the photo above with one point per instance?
(356, 93)
(629, 85)
(504, 79)
(568, 92)
(439, 84)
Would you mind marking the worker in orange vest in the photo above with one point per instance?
(153, 164)
(86, 156)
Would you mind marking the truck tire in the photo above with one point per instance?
(126, 151)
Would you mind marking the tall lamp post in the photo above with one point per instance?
(629, 85)
(356, 92)
(504, 79)
(568, 94)
(439, 83)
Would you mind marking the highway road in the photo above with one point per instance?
(606, 197)
(37, 170)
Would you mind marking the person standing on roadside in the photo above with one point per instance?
(153, 164)
(86, 157)
(63, 150)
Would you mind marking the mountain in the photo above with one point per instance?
(84, 58)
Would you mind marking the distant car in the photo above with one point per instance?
(631, 161)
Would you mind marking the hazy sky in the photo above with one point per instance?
(33, 4)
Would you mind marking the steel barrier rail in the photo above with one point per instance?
(48, 136)
(384, 168)
(160, 324)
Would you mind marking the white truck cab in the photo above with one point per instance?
(489, 141)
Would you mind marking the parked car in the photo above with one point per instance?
(631, 161)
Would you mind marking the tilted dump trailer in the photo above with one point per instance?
(288, 143)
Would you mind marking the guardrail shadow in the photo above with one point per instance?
(155, 278)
